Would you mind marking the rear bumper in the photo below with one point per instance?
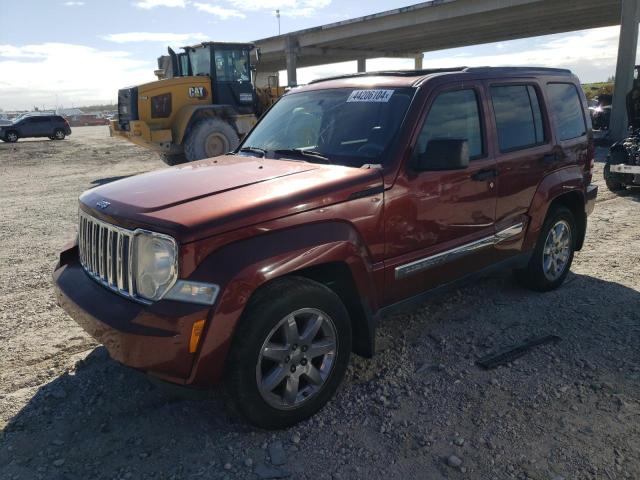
(160, 141)
(622, 168)
(152, 338)
(590, 198)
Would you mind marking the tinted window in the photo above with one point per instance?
(453, 115)
(566, 108)
(518, 116)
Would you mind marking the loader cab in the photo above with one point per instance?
(229, 67)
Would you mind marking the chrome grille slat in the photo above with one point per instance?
(106, 254)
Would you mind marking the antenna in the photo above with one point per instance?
(278, 17)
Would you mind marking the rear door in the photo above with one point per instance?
(524, 151)
(437, 221)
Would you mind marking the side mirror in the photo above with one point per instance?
(444, 154)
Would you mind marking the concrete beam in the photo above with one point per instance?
(628, 44)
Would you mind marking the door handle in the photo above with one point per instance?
(484, 175)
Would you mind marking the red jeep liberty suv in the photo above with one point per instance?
(352, 197)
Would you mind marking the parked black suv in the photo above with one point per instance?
(53, 126)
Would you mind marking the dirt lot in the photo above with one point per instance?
(421, 409)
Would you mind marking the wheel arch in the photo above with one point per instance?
(330, 253)
(562, 187)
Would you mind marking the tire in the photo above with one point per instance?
(172, 159)
(52, 137)
(209, 138)
(536, 275)
(264, 323)
(613, 184)
(11, 137)
(59, 134)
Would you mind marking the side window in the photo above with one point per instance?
(566, 108)
(453, 115)
(518, 117)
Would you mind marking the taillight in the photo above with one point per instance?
(589, 161)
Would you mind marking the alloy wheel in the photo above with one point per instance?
(557, 250)
(297, 358)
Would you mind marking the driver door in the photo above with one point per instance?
(438, 222)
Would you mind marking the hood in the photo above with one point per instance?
(211, 196)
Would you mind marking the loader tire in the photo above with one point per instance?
(209, 138)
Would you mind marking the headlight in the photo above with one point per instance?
(156, 258)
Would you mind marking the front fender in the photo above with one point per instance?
(551, 187)
(242, 267)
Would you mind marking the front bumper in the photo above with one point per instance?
(590, 198)
(160, 141)
(152, 338)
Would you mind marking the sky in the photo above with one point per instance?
(80, 52)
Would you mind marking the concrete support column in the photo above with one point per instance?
(362, 65)
(630, 15)
(417, 62)
(291, 52)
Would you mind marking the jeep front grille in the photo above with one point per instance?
(106, 254)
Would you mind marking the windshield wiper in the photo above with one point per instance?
(304, 152)
(261, 151)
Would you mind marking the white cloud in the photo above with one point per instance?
(148, 4)
(73, 4)
(168, 38)
(76, 74)
(220, 12)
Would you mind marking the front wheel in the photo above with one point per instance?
(11, 137)
(553, 255)
(289, 354)
(209, 138)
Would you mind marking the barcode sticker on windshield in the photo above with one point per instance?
(370, 96)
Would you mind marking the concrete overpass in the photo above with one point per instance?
(440, 24)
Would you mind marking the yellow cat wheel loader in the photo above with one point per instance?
(202, 110)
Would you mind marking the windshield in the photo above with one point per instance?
(232, 65)
(347, 126)
(200, 61)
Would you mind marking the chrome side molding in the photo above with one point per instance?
(416, 266)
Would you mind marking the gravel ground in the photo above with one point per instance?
(421, 409)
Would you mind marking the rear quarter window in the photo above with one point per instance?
(566, 108)
(518, 117)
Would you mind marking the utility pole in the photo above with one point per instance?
(278, 17)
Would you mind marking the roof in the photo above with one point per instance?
(410, 78)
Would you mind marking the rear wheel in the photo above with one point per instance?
(11, 137)
(552, 257)
(173, 159)
(290, 353)
(209, 138)
(59, 134)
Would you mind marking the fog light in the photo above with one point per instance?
(193, 292)
(196, 333)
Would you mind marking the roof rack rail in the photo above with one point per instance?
(518, 69)
(391, 73)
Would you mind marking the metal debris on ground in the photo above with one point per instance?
(505, 356)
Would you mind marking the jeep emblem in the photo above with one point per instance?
(102, 204)
(197, 92)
